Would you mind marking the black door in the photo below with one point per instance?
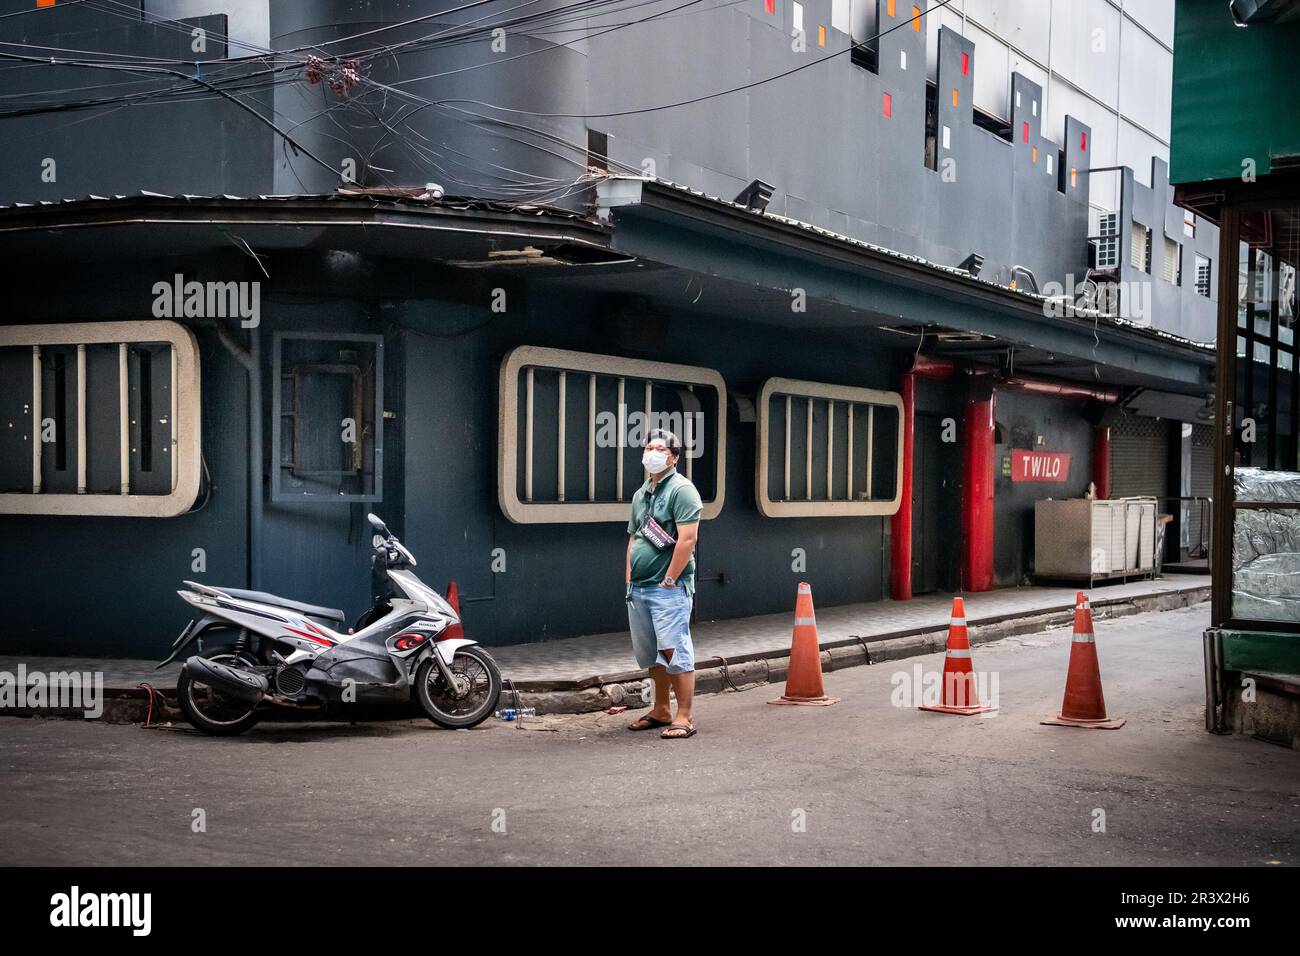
(936, 529)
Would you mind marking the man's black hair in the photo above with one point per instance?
(668, 438)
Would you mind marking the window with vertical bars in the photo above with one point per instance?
(327, 417)
(827, 450)
(99, 419)
(573, 426)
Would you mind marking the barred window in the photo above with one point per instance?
(99, 419)
(327, 417)
(827, 450)
(572, 426)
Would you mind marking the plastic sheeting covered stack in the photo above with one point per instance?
(1266, 547)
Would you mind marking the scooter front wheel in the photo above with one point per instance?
(473, 696)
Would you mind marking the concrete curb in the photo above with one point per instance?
(713, 675)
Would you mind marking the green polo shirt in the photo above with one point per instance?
(675, 503)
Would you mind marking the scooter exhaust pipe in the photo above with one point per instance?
(245, 685)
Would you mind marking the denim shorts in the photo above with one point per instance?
(660, 620)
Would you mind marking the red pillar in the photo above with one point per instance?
(900, 525)
(977, 495)
(1101, 461)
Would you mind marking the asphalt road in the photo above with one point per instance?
(870, 782)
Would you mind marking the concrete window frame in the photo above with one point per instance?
(186, 443)
(826, 507)
(510, 446)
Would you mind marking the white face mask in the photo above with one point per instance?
(655, 461)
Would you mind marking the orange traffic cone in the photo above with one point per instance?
(960, 695)
(1084, 705)
(453, 598)
(803, 682)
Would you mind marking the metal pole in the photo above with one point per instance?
(848, 451)
(124, 421)
(622, 436)
(591, 437)
(255, 490)
(559, 450)
(81, 419)
(36, 419)
(788, 425)
(528, 435)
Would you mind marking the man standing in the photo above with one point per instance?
(661, 584)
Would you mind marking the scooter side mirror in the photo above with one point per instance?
(377, 523)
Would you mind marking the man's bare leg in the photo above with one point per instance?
(684, 688)
(661, 711)
(662, 708)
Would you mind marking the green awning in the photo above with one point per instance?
(1235, 95)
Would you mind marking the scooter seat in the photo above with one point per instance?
(311, 610)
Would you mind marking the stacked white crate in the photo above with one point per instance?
(1094, 539)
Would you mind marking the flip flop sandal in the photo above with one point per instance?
(669, 735)
(648, 723)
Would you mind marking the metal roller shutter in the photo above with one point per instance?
(1139, 457)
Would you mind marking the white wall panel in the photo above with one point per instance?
(992, 72)
(1065, 100)
(1085, 46)
(1136, 149)
(1145, 75)
(1156, 15)
(1022, 23)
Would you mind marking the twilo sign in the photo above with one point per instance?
(1040, 466)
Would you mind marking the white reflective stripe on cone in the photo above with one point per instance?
(960, 652)
(1085, 638)
(805, 622)
(957, 622)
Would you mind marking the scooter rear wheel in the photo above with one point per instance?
(470, 702)
(211, 711)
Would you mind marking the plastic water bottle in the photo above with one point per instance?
(515, 713)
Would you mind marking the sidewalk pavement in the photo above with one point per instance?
(596, 659)
(579, 659)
